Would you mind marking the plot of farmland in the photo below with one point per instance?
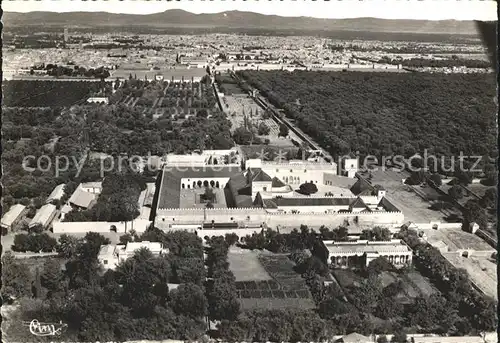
(176, 98)
(265, 280)
(245, 265)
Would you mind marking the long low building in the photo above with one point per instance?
(11, 217)
(362, 252)
(44, 216)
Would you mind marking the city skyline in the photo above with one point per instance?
(389, 9)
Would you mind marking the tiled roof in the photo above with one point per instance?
(362, 186)
(268, 203)
(387, 205)
(13, 213)
(358, 203)
(277, 183)
(43, 215)
(170, 191)
(82, 198)
(57, 193)
(257, 174)
(258, 200)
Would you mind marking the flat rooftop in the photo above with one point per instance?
(361, 247)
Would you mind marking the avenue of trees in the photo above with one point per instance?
(389, 114)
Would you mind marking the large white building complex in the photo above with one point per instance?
(257, 193)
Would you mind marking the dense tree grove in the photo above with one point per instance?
(16, 278)
(387, 114)
(132, 302)
(22, 93)
(276, 326)
(34, 242)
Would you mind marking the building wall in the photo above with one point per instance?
(314, 209)
(257, 216)
(139, 225)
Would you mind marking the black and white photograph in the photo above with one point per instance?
(292, 171)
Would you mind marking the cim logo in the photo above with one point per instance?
(46, 329)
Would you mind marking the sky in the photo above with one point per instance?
(388, 9)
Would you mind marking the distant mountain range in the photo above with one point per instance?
(232, 19)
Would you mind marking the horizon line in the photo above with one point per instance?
(252, 12)
(318, 15)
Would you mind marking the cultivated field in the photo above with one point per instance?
(266, 280)
(245, 265)
(166, 98)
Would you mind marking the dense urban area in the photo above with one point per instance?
(212, 187)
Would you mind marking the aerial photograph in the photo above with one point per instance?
(249, 171)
